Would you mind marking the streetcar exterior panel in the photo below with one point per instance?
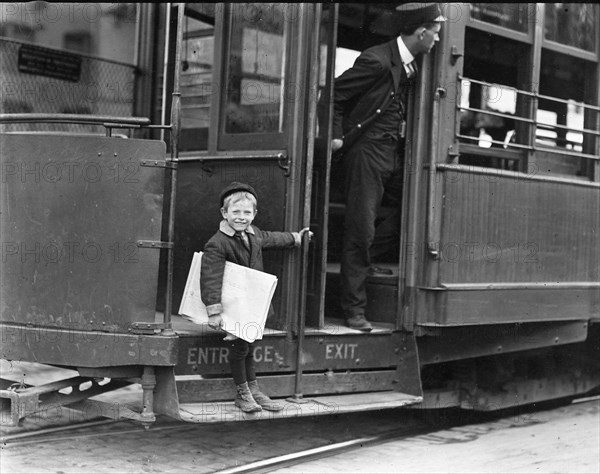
(497, 268)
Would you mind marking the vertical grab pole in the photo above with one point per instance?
(298, 398)
(310, 144)
(175, 130)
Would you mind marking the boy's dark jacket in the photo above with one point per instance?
(226, 246)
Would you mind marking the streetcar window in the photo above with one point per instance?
(67, 58)
(344, 59)
(196, 79)
(490, 100)
(573, 24)
(515, 16)
(562, 117)
(104, 30)
(255, 69)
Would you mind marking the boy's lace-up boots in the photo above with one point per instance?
(244, 400)
(263, 400)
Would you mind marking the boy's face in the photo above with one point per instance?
(239, 215)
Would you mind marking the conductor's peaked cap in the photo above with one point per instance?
(420, 13)
(237, 187)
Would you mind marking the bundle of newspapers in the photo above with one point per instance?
(246, 298)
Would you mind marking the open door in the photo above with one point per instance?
(317, 272)
(346, 30)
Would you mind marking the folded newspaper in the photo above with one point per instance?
(246, 298)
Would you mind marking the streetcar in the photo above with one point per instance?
(122, 122)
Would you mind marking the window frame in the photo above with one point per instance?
(535, 39)
(227, 142)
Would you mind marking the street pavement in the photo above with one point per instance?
(563, 440)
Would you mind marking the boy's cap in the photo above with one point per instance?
(420, 13)
(236, 187)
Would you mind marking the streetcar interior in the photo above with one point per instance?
(360, 26)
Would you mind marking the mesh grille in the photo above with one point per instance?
(103, 88)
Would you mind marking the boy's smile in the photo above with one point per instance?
(239, 215)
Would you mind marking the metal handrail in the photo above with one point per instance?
(536, 147)
(530, 121)
(106, 120)
(533, 123)
(530, 94)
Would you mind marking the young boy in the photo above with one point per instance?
(239, 242)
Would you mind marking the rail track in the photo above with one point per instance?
(416, 423)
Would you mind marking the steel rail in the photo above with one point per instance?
(276, 462)
(55, 429)
(41, 436)
(288, 460)
(312, 454)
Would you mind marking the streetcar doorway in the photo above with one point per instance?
(358, 27)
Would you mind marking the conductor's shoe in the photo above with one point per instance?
(378, 271)
(359, 322)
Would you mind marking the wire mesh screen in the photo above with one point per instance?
(35, 79)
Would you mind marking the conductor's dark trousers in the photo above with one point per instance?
(370, 166)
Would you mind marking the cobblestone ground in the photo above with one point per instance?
(561, 440)
(177, 447)
(171, 446)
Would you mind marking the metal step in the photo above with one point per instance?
(218, 412)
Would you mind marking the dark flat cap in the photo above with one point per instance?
(236, 187)
(420, 13)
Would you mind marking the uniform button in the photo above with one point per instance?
(359, 125)
(378, 111)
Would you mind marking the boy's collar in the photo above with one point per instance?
(230, 231)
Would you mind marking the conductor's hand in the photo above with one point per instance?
(336, 144)
(215, 321)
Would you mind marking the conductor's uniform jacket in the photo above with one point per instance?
(365, 91)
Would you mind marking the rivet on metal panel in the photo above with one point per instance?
(556, 339)
(115, 154)
(499, 349)
(99, 154)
